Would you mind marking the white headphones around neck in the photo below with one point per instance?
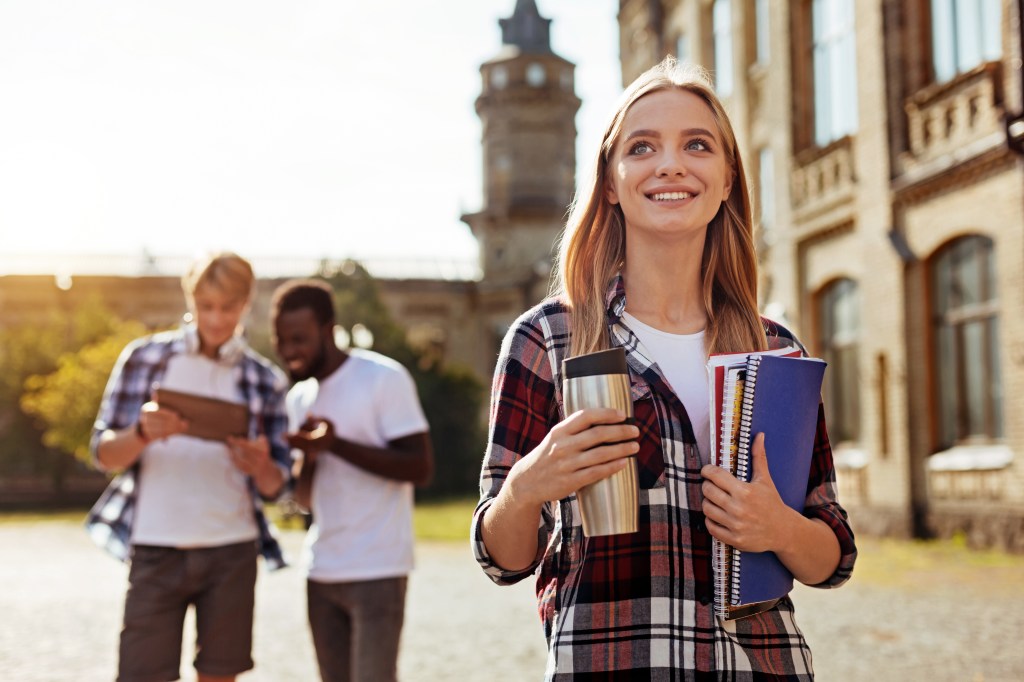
(230, 352)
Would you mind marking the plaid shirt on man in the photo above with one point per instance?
(142, 365)
(639, 605)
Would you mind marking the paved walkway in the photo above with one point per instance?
(60, 601)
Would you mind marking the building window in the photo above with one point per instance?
(766, 192)
(761, 31)
(966, 343)
(535, 75)
(835, 70)
(965, 33)
(721, 26)
(839, 313)
(682, 48)
(499, 77)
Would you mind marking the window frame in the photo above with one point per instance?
(954, 377)
(948, 55)
(840, 348)
(724, 87)
(833, 35)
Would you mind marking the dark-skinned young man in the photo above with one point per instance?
(356, 418)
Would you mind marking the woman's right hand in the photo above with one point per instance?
(585, 447)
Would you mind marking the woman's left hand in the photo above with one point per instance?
(749, 516)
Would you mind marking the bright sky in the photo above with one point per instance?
(313, 128)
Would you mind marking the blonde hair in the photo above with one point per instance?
(227, 272)
(593, 246)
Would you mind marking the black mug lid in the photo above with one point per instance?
(612, 361)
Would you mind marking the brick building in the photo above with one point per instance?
(883, 140)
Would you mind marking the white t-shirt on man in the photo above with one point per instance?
(362, 522)
(683, 362)
(190, 492)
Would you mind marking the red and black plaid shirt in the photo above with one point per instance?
(637, 606)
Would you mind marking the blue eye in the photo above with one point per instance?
(698, 144)
(640, 148)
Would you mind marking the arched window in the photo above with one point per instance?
(966, 343)
(839, 313)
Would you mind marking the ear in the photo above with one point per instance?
(609, 192)
(728, 186)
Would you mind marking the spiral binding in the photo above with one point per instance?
(734, 575)
(746, 415)
(725, 452)
(728, 586)
(720, 571)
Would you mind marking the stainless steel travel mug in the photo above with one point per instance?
(609, 506)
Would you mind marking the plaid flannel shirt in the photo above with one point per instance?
(142, 365)
(640, 605)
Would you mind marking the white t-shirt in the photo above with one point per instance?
(190, 493)
(362, 522)
(683, 362)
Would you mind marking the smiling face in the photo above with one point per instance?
(218, 315)
(301, 342)
(668, 171)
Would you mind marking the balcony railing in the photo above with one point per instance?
(823, 178)
(953, 121)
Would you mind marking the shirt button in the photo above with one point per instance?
(705, 600)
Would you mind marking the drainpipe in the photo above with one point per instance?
(1015, 121)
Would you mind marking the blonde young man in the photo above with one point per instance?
(187, 511)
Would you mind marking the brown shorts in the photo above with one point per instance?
(219, 582)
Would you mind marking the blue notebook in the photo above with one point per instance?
(777, 396)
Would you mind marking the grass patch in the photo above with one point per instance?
(924, 564)
(446, 520)
(43, 516)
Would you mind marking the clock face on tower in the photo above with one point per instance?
(536, 75)
(499, 77)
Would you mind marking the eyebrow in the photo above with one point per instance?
(689, 132)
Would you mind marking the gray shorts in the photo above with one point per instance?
(356, 628)
(219, 582)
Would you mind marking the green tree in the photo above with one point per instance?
(451, 395)
(31, 349)
(65, 401)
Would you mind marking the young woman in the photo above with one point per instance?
(657, 258)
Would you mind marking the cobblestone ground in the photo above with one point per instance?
(60, 603)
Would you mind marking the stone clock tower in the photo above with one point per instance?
(528, 110)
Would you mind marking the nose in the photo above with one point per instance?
(670, 162)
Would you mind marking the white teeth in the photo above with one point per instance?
(670, 196)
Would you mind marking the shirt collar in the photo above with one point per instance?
(615, 297)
